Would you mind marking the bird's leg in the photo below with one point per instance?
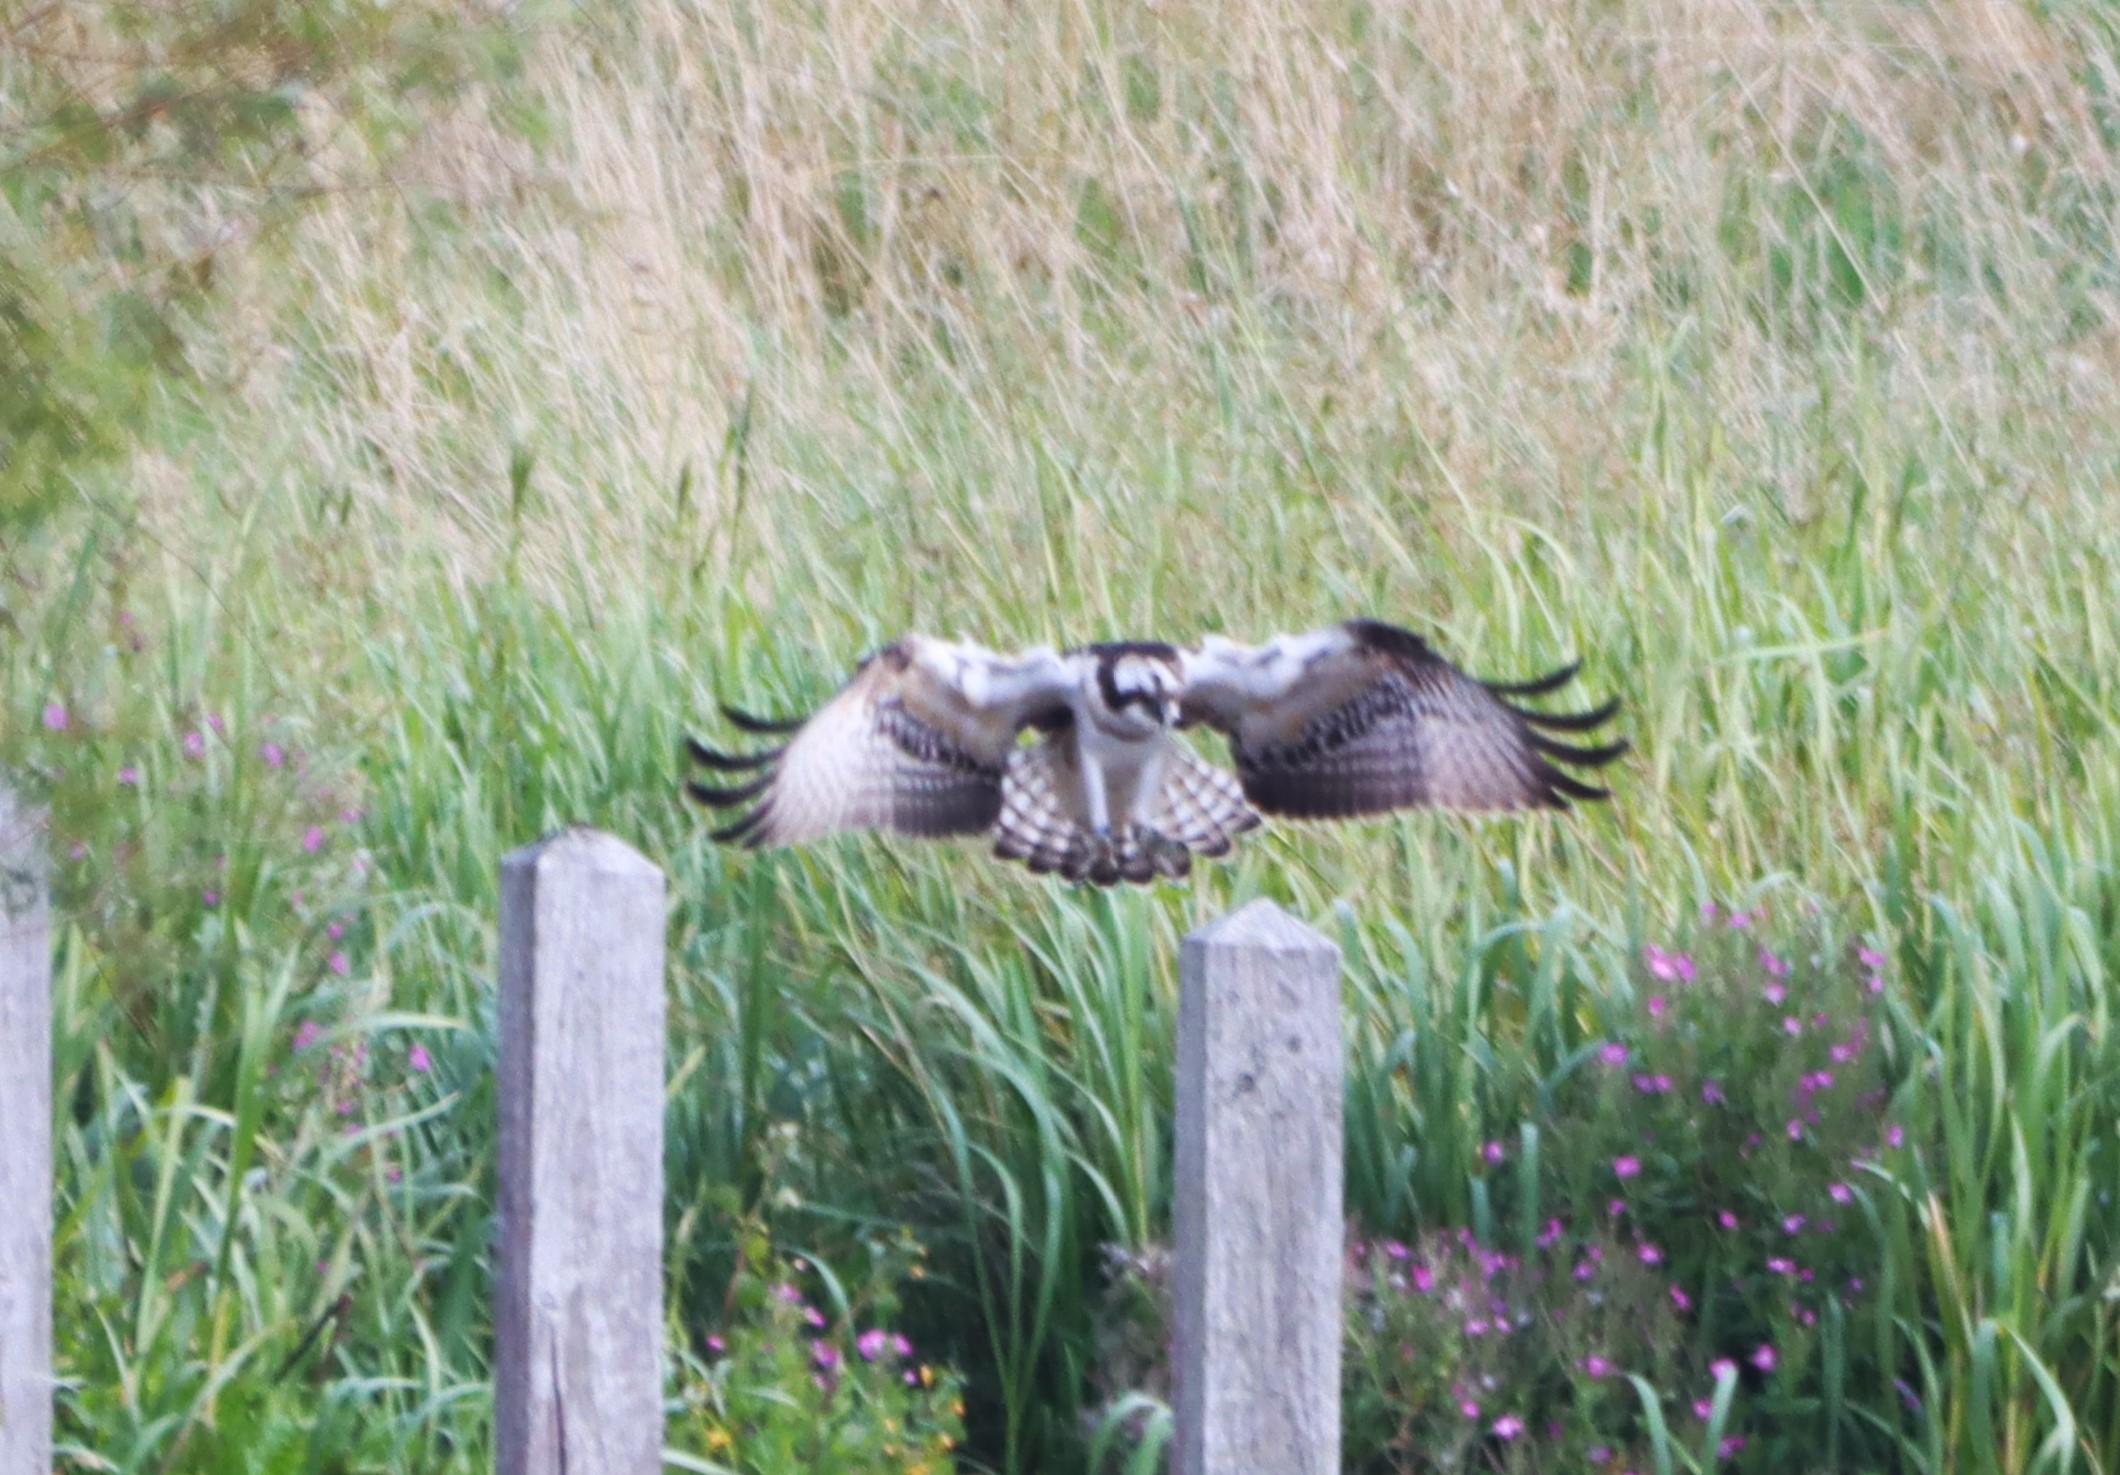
(1096, 799)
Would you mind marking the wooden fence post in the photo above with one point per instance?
(578, 1286)
(25, 1141)
(1259, 1198)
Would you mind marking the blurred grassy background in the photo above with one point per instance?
(458, 403)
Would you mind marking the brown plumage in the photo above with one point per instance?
(1356, 718)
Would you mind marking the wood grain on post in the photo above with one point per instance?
(1259, 1198)
(578, 1285)
(25, 1142)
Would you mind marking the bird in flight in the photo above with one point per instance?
(1068, 759)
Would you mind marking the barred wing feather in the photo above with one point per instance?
(1363, 717)
(916, 742)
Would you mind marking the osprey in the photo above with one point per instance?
(1067, 757)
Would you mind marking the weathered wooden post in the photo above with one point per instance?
(578, 1287)
(1259, 1198)
(25, 1142)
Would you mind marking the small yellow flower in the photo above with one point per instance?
(717, 1439)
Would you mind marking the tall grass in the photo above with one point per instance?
(1763, 355)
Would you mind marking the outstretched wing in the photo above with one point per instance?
(916, 742)
(1362, 717)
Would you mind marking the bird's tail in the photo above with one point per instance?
(1199, 811)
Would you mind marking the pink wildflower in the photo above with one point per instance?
(1423, 1279)
(1702, 1407)
(420, 1061)
(1396, 1249)
(1726, 1219)
(273, 754)
(1508, 1426)
(1840, 1193)
(1774, 993)
(338, 962)
(824, 1354)
(1711, 1092)
(1731, 1444)
(1650, 1255)
(55, 716)
(1723, 1367)
(1894, 1135)
(307, 1034)
(1680, 1299)
(313, 839)
(129, 776)
(1596, 1366)
(1657, 1005)
(1612, 1052)
(1793, 1224)
(1469, 1409)
(195, 744)
(1869, 957)
(1764, 1357)
(1492, 1152)
(1626, 1166)
(1781, 1265)
(870, 1344)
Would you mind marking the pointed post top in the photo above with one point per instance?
(577, 847)
(1262, 925)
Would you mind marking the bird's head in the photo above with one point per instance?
(1137, 685)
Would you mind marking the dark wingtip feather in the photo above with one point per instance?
(1558, 783)
(745, 832)
(766, 726)
(1570, 721)
(1580, 757)
(729, 762)
(1538, 686)
(718, 798)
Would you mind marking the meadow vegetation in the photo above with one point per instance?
(403, 452)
